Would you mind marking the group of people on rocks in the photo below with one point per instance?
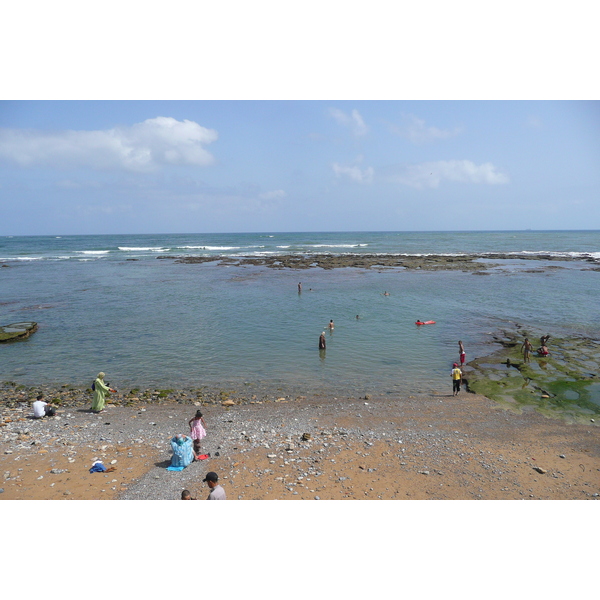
(527, 348)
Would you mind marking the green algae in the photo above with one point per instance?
(560, 385)
(17, 331)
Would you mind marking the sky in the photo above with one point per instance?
(81, 167)
(259, 117)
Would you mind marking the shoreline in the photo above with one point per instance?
(433, 446)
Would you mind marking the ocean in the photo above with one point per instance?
(111, 303)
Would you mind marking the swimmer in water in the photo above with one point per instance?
(330, 324)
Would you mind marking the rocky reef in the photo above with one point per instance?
(563, 384)
(475, 263)
(17, 331)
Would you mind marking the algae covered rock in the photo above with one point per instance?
(17, 331)
(563, 384)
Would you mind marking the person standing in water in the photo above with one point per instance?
(300, 287)
(462, 353)
(322, 343)
(330, 324)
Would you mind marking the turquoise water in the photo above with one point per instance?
(149, 322)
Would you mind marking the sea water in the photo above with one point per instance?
(107, 303)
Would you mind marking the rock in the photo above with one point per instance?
(306, 437)
(228, 403)
(17, 331)
(423, 472)
(562, 456)
(113, 462)
(271, 455)
(540, 470)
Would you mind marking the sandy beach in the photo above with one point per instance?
(289, 448)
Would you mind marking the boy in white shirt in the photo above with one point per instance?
(41, 408)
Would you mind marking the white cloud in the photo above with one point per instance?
(353, 121)
(418, 132)
(272, 195)
(355, 173)
(141, 147)
(431, 174)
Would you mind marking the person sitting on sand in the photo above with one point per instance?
(185, 495)
(322, 342)
(41, 408)
(183, 454)
(100, 389)
(526, 349)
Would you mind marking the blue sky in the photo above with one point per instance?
(272, 116)
(76, 167)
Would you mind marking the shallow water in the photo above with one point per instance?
(156, 323)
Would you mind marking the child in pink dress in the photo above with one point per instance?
(197, 431)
